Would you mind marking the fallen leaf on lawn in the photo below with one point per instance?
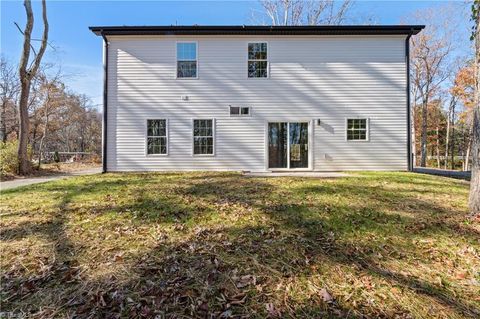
(246, 281)
(461, 275)
(226, 314)
(395, 290)
(238, 299)
(326, 296)
(272, 312)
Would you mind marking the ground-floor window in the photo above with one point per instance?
(357, 129)
(157, 136)
(203, 137)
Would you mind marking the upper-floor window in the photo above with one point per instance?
(357, 129)
(257, 60)
(186, 59)
(157, 137)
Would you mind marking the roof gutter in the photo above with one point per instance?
(258, 30)
(105, 102)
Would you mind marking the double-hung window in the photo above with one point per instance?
(203, 137)
(257, 60)
(157, 137)
(186, 59)
(357, 129)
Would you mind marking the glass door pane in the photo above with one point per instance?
(277, 145)
(298, 145)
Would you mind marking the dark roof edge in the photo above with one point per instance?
(259, 30)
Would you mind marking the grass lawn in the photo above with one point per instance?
(224, 245)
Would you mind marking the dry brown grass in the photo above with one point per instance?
(224, 245)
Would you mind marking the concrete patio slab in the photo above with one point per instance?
(298, 174)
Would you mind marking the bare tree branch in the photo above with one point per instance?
(306, 12)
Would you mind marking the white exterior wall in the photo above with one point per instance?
(311, 77)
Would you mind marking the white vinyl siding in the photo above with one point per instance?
(310, 78)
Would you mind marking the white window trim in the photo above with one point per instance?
(213, 136)
(240, 110)
(167, 136)
(176, 60)
(268, 60)
(367, 133)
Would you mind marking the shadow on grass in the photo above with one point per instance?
(231, 270)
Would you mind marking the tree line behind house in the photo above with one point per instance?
(442, 90)
(61, 121)
(446, 139)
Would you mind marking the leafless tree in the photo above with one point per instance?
(53, 98)
(27, 71)
(9, 91)
(450, 123)
(430, 68)
(306, 12)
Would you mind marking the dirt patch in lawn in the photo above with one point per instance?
(53, 169)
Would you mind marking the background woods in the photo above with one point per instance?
(442, 85)
(39, 116)
(442, 91)
(59, 120)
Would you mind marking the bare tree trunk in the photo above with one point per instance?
(24, 128)
(40, 147)
(445, 164)
(474, 198)
(467, 155)
(423, 160)
(438, 145)
(26, 75)
(3, 122)
(453, 140)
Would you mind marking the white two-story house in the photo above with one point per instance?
(256, 98)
